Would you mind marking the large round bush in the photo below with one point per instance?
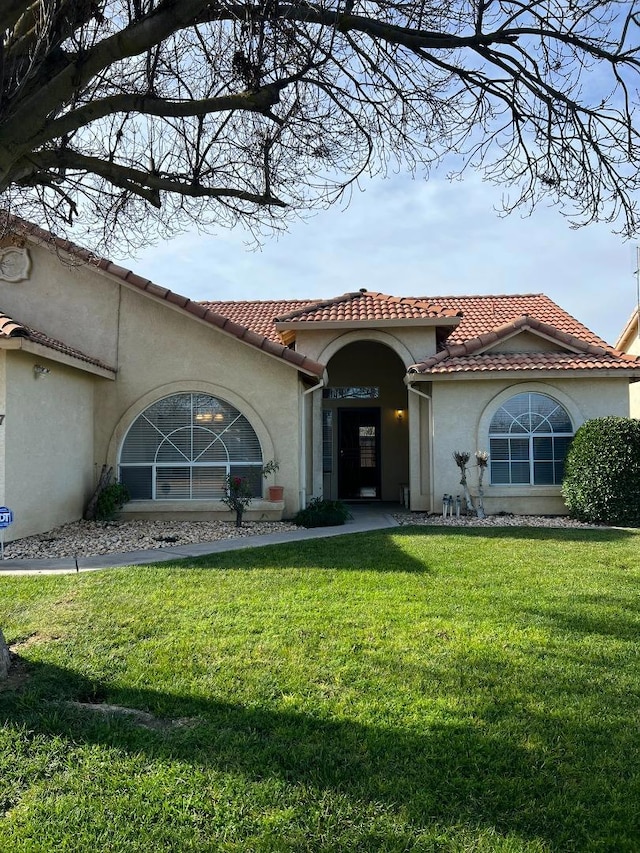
(602, 472)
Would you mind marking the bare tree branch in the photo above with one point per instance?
(137, 118)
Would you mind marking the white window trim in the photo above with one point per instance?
(482, 442)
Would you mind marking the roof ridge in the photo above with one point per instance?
(326, 303)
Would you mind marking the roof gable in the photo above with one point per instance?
(631, 333)
(268, 345)
(481, 352)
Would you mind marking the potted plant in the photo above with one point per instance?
(276, 493)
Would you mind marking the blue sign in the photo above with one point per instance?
(6, 517)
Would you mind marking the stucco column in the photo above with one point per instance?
(310, 444)
(420, 450)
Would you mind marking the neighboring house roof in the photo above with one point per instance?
(630, 331)
(272, 346)
(470, 355)
(11, 329)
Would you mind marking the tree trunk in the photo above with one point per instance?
(5, 658)
(103, 482)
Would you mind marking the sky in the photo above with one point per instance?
(409, 237)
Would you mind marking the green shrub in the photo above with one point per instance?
(322, 513)
(112, 498)
(602, 472)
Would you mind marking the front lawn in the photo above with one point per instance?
(416, 690)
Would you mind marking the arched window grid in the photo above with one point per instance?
(184, 446)
(529, 437)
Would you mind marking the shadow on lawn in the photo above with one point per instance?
(553, 778)
(384, 548)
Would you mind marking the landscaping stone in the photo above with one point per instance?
(93, 538)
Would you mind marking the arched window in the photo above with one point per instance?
(183, 447)
(529, 437)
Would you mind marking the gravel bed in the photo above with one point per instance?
(91, 538)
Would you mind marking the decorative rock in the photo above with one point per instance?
(93, 538)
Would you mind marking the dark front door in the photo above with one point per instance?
(358, 454)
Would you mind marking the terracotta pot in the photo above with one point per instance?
(276, 493)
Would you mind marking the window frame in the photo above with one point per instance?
(529, 436)
(227, 464)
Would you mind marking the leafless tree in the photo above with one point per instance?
(141, 117)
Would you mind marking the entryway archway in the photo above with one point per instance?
(365, 425)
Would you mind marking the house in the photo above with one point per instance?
(629, 342)
(364, 396)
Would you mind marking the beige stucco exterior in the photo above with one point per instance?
(60, 429)
(462, 411)
(63, 428)
(48, 431)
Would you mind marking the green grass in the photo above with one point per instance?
(420, 690)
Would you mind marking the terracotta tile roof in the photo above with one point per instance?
(363, 306)
(483, 319)
(530, 361)
(9, 328)
(468, 355)
(259, 316)
(481, 314)
(271, 345)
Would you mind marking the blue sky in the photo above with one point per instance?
(413, 238)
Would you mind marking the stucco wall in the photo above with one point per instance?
(461, 414)
(75, 303)
(49, 470)
(410, 343)
(162, 351)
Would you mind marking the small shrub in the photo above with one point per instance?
(322, 513)
(238, 496)
(602, 472)
(112, 498)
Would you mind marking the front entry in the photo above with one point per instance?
(359, 454)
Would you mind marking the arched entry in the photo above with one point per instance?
(365, 426)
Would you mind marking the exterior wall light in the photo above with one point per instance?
(399, 415)
(40, 372)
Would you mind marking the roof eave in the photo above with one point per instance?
(177, 301)
(52, 354)
(631, 330)
(530, 374)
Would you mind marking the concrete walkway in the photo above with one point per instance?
(366, 517)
